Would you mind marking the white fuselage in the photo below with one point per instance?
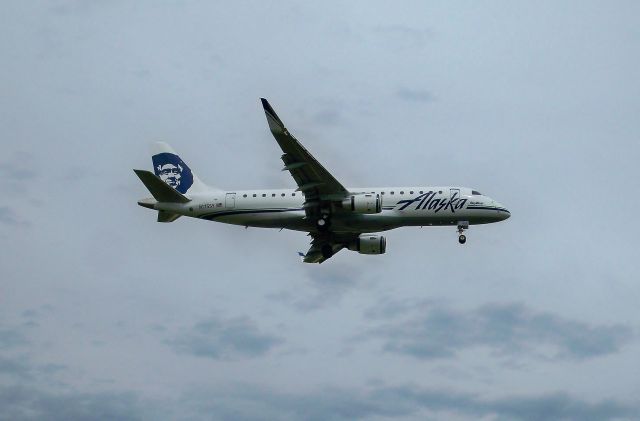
(401, 206)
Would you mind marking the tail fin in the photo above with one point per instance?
(171, 169)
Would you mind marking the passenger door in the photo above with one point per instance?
(230, 201)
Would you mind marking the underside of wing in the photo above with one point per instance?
(313, 180)
(321, 250)
(325, 245)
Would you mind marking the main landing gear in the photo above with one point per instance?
(462, 225)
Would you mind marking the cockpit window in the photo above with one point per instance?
(476, 193)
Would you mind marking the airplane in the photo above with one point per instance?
(334, 216)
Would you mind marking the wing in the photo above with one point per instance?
(313, 180)
(323, 247)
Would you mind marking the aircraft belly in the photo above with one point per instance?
(449, 218)
(383, 222)
(291, 219)
(393, 219)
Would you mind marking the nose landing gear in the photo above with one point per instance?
(462, 225)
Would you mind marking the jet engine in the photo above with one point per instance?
(369, 244)
(363, 203)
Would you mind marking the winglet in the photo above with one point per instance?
(275, 124)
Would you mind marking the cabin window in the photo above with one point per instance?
(401, 192)
(273, 195)
(264, 195)
(282, 194)
(411, 192)
(421, 191)
(440, 192)
(254, 195)
(244, 195)
(390, 192)
(382, 192)
(476, 193)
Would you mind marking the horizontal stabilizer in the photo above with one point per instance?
(160, 190)
(164, 216)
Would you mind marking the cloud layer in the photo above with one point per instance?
(224, 339)
(106, 314)
(247, 402)
(431, 330)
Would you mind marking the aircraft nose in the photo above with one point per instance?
(503, 212)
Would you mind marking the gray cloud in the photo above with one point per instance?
(224, 339)
(11, 338)
(26, 393)
(21, 368)
(29, 403)
(328, 117)
(437, 331)
(18, 168)
(414, 95)
(247, 402)
(404, 35)
(33, 391)
(326, 286)
(14, 362)
(9, 217)
(16, 367)
(18, 176)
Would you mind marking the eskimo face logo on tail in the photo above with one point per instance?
(173, 171)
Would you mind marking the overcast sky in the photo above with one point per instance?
(106, 314)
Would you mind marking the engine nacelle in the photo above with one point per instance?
(363, 203)
(369, 244)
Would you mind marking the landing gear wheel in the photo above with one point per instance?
(323, 223)
(462, 225)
